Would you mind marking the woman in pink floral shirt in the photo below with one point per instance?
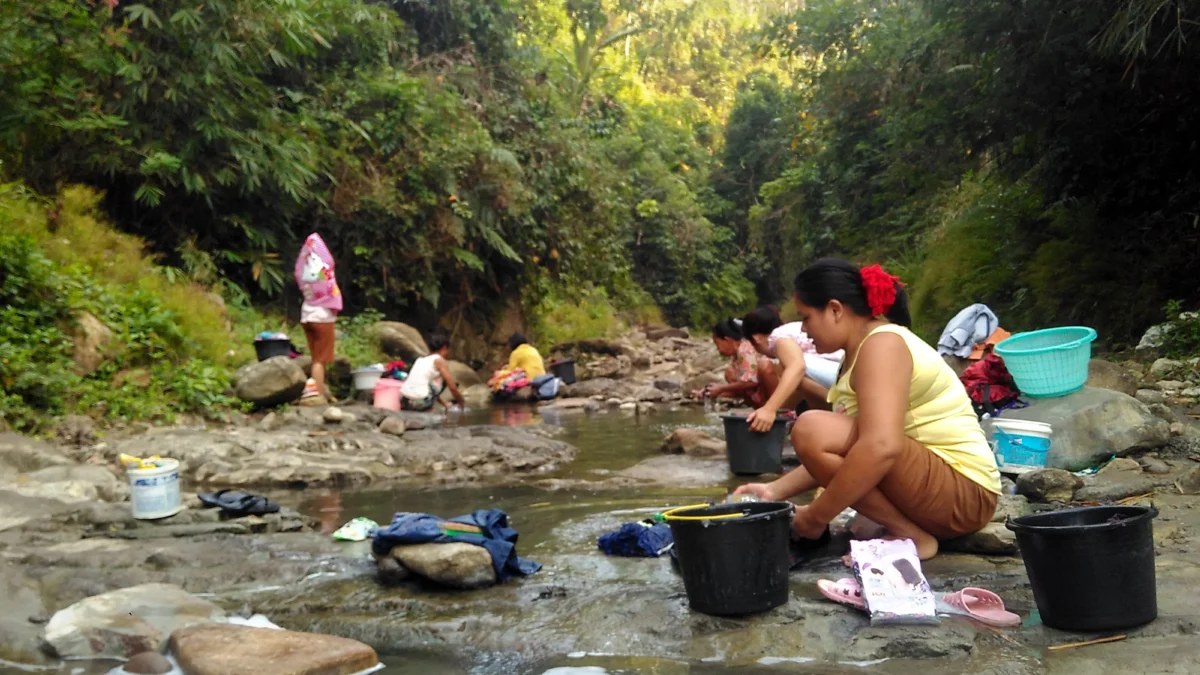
(749, 376)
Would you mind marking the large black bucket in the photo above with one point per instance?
(733, 566)
(751, 453)
(266, 349)
(1091, 569)
(564, 370)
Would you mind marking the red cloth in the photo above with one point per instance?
(989, 378)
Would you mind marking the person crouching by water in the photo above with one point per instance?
(749, 376)
(429, 377)
(805, 374)
(899, 441)
(523, 357)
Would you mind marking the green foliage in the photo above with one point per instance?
(1182, 340)
(159, 360)
(556, 319)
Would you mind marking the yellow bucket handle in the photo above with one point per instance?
(666, 515)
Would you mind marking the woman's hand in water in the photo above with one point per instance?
(804, 525)
(761, 490)
(762, 420)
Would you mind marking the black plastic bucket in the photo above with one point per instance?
(271, 348)
(564, 370)
(751, 453)
(734, 566)
(1091, 569)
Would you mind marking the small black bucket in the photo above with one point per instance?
(564, 370)
(734, 565)
(751, 453)
(1091, 569)
(271, 348)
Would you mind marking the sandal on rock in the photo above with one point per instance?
(238, 504)
(976, 603)
(844, 592)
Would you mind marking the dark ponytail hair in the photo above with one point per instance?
(762, 321)
(516, 340)
(834, 279)
(728, 329)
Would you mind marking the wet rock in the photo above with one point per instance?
(359, 455)
(106, 484)
(1094, 424)
(477, 395)
(20, 598)
(399, 339)
(270, 422)
(1111, 376)
(653, 395)
(571, 404)
(669, 383)
(949, 640)
(1120, 466)
(269, 383)
(332, 415)
(993, 539)
(1114, 487)
(1150, 396)
(693, 442)
(1048, 485)
(464, 375)
(1010, 506)
(390, 572)
(454, 564)
(77, 430)
(89, 336)
(524, 395)
(1177, 428)
(600, 386)
(1168, 369)
(148, 663)
(680, 471)
(224, 649)
(394, 426)
(121, 623)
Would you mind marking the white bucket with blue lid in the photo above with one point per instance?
(1021, 445)
(154, 492)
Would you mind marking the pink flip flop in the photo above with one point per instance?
(844, 592)
(976, 603)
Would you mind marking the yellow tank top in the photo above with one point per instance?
(939, 414)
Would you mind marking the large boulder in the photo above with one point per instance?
(89, 336)
(692, 442)
(464, 375)
(121, 623)
(453, 564)
(276, 381)
(399, 339)
(659, 333)
(1094, 424)
(1111, 376)
(225, 649)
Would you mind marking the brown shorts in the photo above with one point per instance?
(320, 338)
(940, 500)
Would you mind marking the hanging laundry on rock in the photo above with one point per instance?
(487, 528)
(970, 327)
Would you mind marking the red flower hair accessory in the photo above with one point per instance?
(881, 289)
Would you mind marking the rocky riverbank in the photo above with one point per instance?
(66, 531)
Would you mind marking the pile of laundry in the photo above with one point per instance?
(973, 334)
(545, 387)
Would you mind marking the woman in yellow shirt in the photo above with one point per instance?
(900, 442)
(524, 357)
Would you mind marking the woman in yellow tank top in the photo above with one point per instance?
(900, 442)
